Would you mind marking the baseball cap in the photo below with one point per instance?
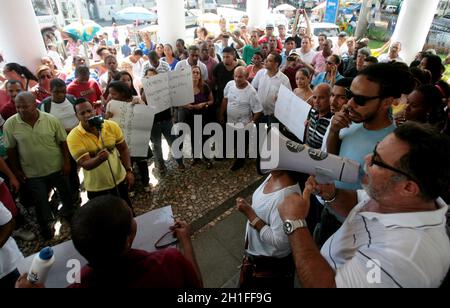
(268, 26)
(342, 34)
(294, 52)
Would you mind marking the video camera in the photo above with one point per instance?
(96, 122)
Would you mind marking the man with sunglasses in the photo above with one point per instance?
(395, 231)
(358, 126)
(331, 74)
(364, 120)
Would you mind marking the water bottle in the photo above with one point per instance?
(41, 265)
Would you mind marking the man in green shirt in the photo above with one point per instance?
(249, 50)
(39, 158)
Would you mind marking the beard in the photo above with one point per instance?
(358, 118)
(376, 193)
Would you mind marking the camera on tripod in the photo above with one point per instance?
(96, 122)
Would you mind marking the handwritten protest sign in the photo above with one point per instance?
(172, 89)
(292, 111)
(136, 122)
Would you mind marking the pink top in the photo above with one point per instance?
(319, 62)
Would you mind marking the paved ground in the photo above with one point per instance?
(219, 251)
(197, 195)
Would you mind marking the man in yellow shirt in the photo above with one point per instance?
(87, 148)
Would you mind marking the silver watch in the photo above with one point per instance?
(289, 226)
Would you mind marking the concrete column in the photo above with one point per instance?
(171, 21)
(413, 26)
(20, 36)
(257, 12)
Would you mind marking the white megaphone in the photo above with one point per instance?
(280, 153)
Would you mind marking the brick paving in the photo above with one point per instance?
(192, 193)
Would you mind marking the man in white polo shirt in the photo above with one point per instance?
(193, 60)
(395, 231)
(268, 82)
(241, 104)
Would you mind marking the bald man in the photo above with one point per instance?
(37, 150)
(319, 117)
(241, 105)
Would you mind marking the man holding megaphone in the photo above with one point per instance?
(395, 231)
(99, 148)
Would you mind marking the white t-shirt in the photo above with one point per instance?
(340, 50)
(412, 250)
(182, 65)
(268, 88)
(306, 57)
(271, 241)
(241, 103)
(10, 255)
(384, 58)
(138, 70)
(65, 113)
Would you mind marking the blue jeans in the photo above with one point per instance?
(40, 188)
(162, 128)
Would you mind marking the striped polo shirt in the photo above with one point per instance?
(317, 128)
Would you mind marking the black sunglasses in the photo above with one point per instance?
(359, 100)
(381, 164)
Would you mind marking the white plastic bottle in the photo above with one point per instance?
(41, 265)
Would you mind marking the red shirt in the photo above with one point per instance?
(264, 39)
(141, 269)
(89, 90)
(7, 106)
(40, 93)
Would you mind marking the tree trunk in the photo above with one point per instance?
(361, 27)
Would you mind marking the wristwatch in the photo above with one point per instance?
(289, 226)
(129, 169)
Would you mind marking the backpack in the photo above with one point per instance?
(46, 104)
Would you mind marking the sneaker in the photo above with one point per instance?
(196, 161)
(209, 164)
(48, 233)
(24, 235)
(160, 170)
(181, 167)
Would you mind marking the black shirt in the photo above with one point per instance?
(222, 77)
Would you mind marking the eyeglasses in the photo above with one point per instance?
(381, 164)
(359, 100)
(46, 77)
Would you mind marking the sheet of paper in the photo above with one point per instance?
(136, 122)
(151, 227)
(181, 89)
(157, 92)
(172, 89)
(292, 111)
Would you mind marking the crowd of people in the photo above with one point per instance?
(391, 117)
